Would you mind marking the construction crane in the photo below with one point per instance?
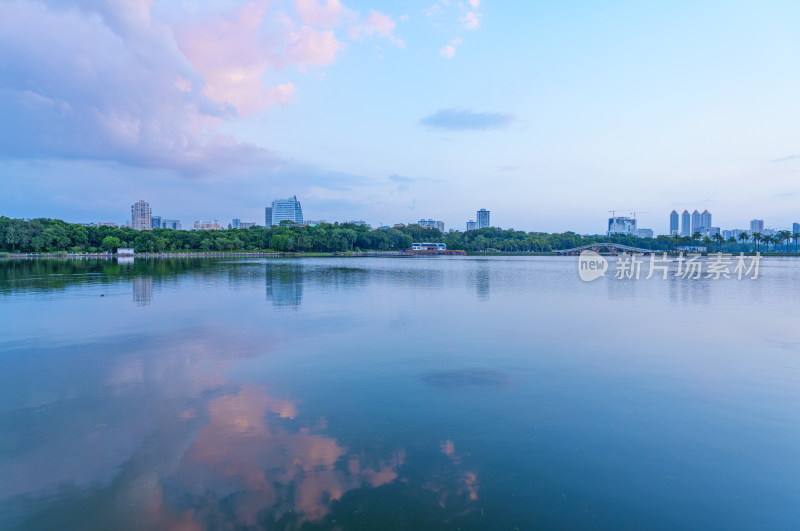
(635, 212)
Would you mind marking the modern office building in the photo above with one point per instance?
(621, 225)
(284, 209)
(173, 224)
(757, 225)
(795, 228)
(483, 218)
(673, 223)
(155, 222)
(686, 220)
(472, 225)
(141, 215)
(644, 233)
(432, 224)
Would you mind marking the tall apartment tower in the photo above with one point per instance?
(268, 217)
(696, 222)
(673, 223)
(705, 220)
(686, 220)
(286, 209)
(795, 228)
(757, 225)
(141, 216)
(472, 225)
(483, 218)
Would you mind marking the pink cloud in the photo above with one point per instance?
(471, 20)
(228, 53)
(448, 52)
(326, 15)
(376, 24)
(310, 47)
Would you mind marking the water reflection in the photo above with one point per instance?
(466, 378)
(558, 404)
(481, 279)
(142, 291)
(284, 284)
(251, 455)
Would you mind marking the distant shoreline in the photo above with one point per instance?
(339, 254)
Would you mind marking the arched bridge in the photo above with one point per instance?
(610, 248)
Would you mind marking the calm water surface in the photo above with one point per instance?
(417, 393)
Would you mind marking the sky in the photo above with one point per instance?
(548, 114)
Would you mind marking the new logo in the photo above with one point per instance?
(591, 265)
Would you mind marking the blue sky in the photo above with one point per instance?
(549, 114)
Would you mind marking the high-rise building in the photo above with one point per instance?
(732, 233)
(686, 220)
(284, 209)
(207, 225)
(173, 224)
(621, 225)
(795, 228)
(673, 223)
(472, 225)
(644, 233)
(696, 222)
(757, 225)
(483, 218)
(705, 220)
(432, 224)
(235, 223)
(268, 217)
(155, 222)
(141, 216)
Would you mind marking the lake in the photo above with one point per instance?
(395, 393)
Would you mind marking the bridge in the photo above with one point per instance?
(610, 248)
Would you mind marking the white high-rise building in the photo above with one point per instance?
(696, 222)
(757, 225)
(686, 220)
(141, 216)
(673, 223)
(705, 220)
(432, 223)
(483, 218)
(284, 209)
(621, 225)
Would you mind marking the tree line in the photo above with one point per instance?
(51, 235)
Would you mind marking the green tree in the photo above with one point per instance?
(756, 237)
(111, 243)
(784, 237)
(719, 239)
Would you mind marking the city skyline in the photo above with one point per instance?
(685, 224)
(582, 115)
